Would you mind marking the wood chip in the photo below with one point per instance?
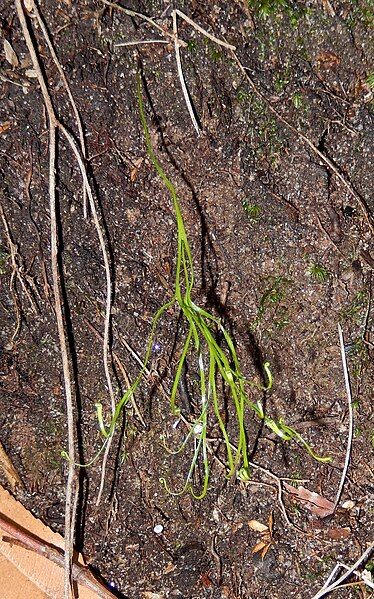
(257, 526)
(4, 126)
(10, 54)
(9, 471)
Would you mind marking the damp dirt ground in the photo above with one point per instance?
(277, 196)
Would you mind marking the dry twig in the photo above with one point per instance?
(53, 126)
(78, 119)
(328, 587)
(350, 412)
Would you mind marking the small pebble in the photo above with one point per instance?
(197, 429)
(158, 529)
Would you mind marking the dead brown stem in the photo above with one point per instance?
(52, 126)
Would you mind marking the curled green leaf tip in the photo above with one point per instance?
(243, 475)
(269, 376)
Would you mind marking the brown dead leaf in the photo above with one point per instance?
(134, 171)
(259, 546)
(10, 54)
(328, 60)
(205, 580)
(257, 526)
(266, 535)
(337, 534)
(318, 505)
(9, 471)
(4, 126)
(170, 567)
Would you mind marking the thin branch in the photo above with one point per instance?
(133, 13)
(327, 589)
(203, 31)
(108, 303)
(181, 77)
(139, 43)
(87, 192)
(68, 91)
(350, 412)
(121, 367)
(53, 124)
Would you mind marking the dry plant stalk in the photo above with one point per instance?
(53, 125)
(78, 119)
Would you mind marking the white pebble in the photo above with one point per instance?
(158, 529)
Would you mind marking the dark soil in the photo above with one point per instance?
(270, 225)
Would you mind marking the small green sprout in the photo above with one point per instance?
(297, 100)
(318, 272)
(253, 211)
(370, 81)
(215, 54)
(242, 96)
(191, 46)
(273, 295)
(357, 305)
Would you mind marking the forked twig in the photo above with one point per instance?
(19, 275)
(68, 91)
(95, 217)
(327, 588)
(52, 126)
(178, 43)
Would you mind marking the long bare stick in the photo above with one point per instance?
(80, 156)
(350, 412)
(203, 31)
(181, 77)
(53, 124)
(108, 303)
(68, 91)
(87, 192)
(133, 13)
